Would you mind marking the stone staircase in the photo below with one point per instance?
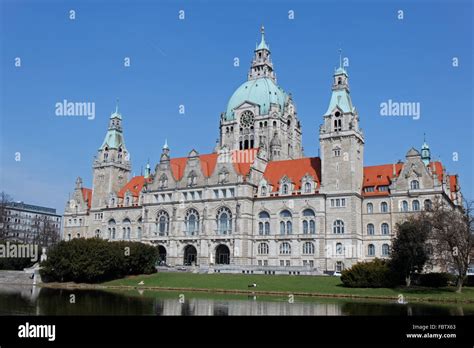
(26, 277)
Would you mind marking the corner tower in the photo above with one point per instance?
(111, 167)
(341, 141)
(259, 109)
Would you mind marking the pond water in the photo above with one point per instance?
(25, 300)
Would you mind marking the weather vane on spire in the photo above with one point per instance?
(340, 57)
(116, 106)
(262, 30)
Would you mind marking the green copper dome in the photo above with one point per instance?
(262, 91)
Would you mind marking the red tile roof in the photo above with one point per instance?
(294, 169)
(381, 175)
(241, 159)
(87, 195)
(135, 185)
(437, 167)
(453, 183)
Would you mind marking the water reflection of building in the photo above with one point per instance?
(243, 307)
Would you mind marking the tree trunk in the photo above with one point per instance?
(459, 284)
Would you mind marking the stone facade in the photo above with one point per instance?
(257, 202)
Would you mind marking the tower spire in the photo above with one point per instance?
(261, 64)
(425, 151)
(340, 58)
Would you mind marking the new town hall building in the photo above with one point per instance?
(257, 203)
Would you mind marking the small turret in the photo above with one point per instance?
(275, 147)
(425, 152)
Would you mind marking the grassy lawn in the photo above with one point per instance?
(321, 285)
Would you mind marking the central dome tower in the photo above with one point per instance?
(259, 109)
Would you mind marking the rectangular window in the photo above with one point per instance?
(216, 193)
(265, 262)
(343, 202)
(369, 189)
(383, 188)
(259, 262)
(287, 263)
(311, 263)
(232, 192)
(282, 263)
(224, 193)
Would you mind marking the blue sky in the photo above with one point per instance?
(190, 62)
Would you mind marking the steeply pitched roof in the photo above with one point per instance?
(135, 185)
(241, 159)
(381, 175)
(294, 169)
(87, 195)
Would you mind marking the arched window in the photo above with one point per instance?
(285, 223)
(307, 187)
(285, 248)
(370, 229)
(163, 223)
(111, 229)
(264, 223)
(97, 233)
(384, 207)
(385, 229)
(192, 222)
(309, 224)
(308, 248)
(263, 249)
(370, 250)
(370, 208)
(126, 228)
(338, 227)
(404, 206)
(385, 250)
(224, 221)
(339, 249)
(284, 189)
(415, 205)
(428, 205)
(414, 185)
(282, 227)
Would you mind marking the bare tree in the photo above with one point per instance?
(5, 200)
(46, 233)
(452, 235)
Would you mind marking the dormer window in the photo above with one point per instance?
(285, 189)
(307, 187)
(263, 191)
(414, 185)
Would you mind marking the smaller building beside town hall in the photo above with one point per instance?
(257, 203)
(24, 222)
